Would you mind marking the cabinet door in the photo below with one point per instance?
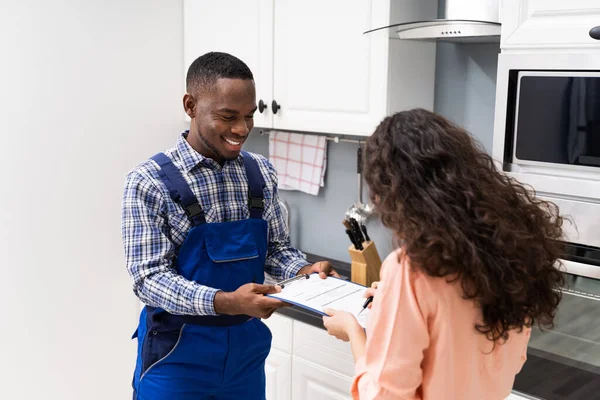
(549, 24)
(243, 28)
(328, 76)
(281, 328)
(313, 382)
(278, 368)
(317, 346)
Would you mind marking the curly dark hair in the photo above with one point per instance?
(457, 216)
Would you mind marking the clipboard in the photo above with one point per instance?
(315, 294)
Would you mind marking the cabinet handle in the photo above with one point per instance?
(262, 106)
(595, 32)
(275, 107)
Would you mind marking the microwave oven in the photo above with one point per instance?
(557, 119)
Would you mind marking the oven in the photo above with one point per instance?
(547, 136)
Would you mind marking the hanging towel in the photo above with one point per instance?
(300, 160)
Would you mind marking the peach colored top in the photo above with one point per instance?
(422, 343)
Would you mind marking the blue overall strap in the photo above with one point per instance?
(256, 184)
(178, 189)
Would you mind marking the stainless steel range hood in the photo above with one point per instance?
(462, 21)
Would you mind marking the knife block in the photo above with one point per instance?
(365, 265)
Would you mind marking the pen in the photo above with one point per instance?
(367, 302)
(295, 278)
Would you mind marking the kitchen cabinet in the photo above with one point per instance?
(549, 24)
(243, 28)
(318, 347)
(306, 363)
(278, 370)
(313, 382)
(315, 69)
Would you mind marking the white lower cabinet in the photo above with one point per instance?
(305, 363)
(278, 369)
(317, 346)
(313, 382)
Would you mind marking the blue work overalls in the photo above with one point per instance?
(208, 357)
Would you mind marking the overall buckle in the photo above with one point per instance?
(193, 210)
(256, 202)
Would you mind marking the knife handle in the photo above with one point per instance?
(352, 239)
(364, 231)
(356, 230)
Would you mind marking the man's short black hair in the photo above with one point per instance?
(206, 69)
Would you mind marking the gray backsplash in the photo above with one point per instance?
(464, 92)
(465, 87)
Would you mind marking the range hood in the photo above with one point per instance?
(462, 21)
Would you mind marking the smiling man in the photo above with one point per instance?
(201, 224)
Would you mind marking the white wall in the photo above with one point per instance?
(88, 89)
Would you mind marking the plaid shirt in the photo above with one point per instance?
(154, 227)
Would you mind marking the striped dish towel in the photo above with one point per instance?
(300, 160)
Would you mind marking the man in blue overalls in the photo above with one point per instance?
(201, 224)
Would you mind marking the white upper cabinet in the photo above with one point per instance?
(550, 25)
(328, 75)
(243, 28)
(315, 69)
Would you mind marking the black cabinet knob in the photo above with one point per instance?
(595, 32)
(262, 106)
(275, 107)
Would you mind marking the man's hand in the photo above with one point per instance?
(249, 299)
(324, 269)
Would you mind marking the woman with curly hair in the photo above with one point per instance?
(475, 268)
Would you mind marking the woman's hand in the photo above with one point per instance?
(341, 324)
(371, 292)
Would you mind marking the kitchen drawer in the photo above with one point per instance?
(281, 328)
(315, 345)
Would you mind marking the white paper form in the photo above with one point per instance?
(317, 294)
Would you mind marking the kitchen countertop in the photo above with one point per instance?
(303, 315)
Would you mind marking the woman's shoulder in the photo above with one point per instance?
(393, 258)
(399, 263)
(399, 268)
